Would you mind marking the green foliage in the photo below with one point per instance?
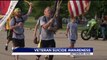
(30, 23)
(96, 7)
(64, 9)
(39, 7)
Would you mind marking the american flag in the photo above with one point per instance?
(78, 7)
(6, 8)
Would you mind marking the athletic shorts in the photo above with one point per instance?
(72, 41)
(18, 42)
(9, 34)
(47, 43)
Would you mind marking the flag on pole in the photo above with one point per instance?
(78, 7)
(6, 8)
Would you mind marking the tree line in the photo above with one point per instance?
(98, 7)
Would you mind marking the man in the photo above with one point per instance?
(48, 28)
(103, 28)
(17, 25)
(9, 32)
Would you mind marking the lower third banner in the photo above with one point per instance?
(53, 51)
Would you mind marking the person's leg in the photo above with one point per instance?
(9, 38)
(7, 43)
(72, 43)
(42, 44)
(51, 44)
(17, 57)
(16, 44)
(103, 34)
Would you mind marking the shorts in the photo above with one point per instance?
(72, 41)
(47, 43)
(9, 34)
(18, 42)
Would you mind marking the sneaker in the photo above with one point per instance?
(46, 58)
(72, 56)
(37, 58)
(6, 47)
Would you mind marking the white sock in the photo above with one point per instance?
(6, 44)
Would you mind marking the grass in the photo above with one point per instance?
(30, 23)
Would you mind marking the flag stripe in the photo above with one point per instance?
(73, 8)
(81, 4)
(7, 14)
(4, 6)
(79, 7)
(76, 7)
(70, 9)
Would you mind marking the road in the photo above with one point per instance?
(100, 47)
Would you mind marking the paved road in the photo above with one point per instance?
(100, 47)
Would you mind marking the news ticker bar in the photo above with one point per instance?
(53, 51)
(36, 53)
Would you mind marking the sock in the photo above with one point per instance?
(6, 44)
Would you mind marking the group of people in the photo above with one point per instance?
(15, 28)
(47, 26)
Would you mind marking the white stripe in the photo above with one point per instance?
(8, 13)
(84, 5)
(36, 53)
(73, 8)
(79, 7)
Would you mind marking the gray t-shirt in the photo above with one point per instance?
(18, 33)
(38, 23)
(45, 33)
(72, 30)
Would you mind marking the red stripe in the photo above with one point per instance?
(87, 1)
(70, 9)
(4, 6)
(76, 7)
(81, 6)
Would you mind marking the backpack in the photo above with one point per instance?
(15, 23)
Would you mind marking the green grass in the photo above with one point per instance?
(30, 23)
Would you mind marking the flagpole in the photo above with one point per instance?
(8, 13)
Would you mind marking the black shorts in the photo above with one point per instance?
(18, 42)
(73, 41)
(47, 43)
(9, 34)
